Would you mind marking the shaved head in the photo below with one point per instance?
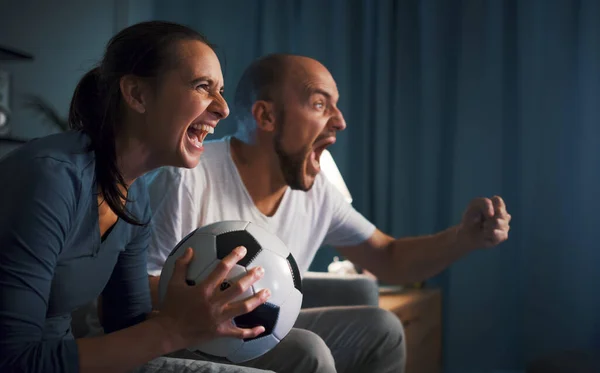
(265, 79)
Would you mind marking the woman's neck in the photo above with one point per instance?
(133, 158)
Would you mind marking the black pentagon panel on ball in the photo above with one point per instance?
(226, 242)
(225, 285)
(266, 315)
(295, 272)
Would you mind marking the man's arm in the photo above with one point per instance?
(413, 259)
(405, 260)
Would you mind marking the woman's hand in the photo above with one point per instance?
(201, 312)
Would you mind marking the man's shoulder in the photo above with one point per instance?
(212, 159)
(216, 148)
(215, 162)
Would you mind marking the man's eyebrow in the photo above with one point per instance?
(308, 91)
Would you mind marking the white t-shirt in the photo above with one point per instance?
(185, 199)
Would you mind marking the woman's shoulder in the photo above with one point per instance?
(60, 162)
(69, 148)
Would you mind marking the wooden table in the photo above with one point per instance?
(420, 311)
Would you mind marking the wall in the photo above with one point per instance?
(66, 37)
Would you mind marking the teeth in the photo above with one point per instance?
(197, 142)
(203, 127)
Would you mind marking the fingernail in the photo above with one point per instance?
(241, 251)
(266, 294)
(260, 271)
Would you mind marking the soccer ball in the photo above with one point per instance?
(212, 243)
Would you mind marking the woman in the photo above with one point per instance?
(74, 221)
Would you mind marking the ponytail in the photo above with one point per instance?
(93, 111)
(85, 112)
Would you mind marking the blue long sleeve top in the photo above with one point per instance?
(52, 258)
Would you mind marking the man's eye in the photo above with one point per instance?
(319, 105)
(205, 87)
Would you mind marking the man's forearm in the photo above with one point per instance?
(114, 353)
(415, 259)
(406, 260)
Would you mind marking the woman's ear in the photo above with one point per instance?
(264, 115)
(133, 90)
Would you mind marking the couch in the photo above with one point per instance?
(320, 290)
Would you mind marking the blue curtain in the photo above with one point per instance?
(446, 101)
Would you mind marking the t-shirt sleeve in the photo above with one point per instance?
(175, 213)
(126, 297)
(348, 227)
(37, 207)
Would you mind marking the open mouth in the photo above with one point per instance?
(196, 133)
(318, 148)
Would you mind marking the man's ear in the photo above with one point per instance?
(264, 115)
(134, 91)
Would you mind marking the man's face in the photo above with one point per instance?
(307, 120)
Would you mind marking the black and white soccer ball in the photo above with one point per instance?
(212, 243)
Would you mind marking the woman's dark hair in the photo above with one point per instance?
(145, 49)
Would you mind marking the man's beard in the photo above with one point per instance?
(291, 164)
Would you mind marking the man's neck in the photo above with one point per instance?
(260, 174)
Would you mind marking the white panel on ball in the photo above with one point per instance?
(277, 277)
(268, 240)
(253, 349)
(219, 346)
(287, 319)
(205, 252)
(202, 257)
(224, 227)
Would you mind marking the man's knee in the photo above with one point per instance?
(308, 349)
(385, 322)
(387, 329)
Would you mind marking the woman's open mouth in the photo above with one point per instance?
(196, 133)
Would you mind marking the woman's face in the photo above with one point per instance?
(186, 106)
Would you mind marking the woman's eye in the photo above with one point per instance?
(205, 87)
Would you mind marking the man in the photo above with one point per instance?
(268, 173)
